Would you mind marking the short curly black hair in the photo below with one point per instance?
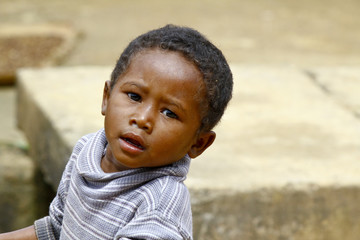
(196, 48)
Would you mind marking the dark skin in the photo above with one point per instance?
(153, 113)
(22, 234)
(152, 117)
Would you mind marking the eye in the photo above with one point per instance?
(170, 114)
(133, 96)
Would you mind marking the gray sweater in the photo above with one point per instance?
(144, 203)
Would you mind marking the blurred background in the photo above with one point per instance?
(287, 33)
(262, 31)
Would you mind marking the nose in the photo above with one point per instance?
(143, 118)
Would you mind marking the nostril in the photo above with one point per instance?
(141, 123)
(147, 126)
(132, 122)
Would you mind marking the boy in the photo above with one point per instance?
(169, 88)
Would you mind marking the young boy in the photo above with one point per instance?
(169, 88)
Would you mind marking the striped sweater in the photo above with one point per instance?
(144, 203)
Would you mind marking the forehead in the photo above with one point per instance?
(169, 67)
(166, 61)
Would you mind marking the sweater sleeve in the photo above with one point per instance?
(49, 227)
(152, 226)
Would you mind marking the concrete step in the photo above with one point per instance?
(284, 164)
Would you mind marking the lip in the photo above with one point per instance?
(132, 143)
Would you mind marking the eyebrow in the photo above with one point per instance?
(174, 103)
(143, 87)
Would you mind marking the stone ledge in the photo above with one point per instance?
(282, 129)
(284, 165)
(48, 118)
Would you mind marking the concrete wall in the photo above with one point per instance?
(277, 214)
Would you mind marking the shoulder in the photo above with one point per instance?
(175, 197)
(79, 146)
(167, 200)
(168, 196)
(175, 205)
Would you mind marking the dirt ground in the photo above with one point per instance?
(286, 32)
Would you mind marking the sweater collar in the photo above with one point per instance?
(89, 159)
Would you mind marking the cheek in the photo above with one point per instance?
(113, 121)
(177, 137)
(117, 110)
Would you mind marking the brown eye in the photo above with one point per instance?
(133, 96)
(170, 114)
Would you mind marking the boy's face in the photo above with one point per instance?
(152, 114)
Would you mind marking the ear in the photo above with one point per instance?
(203, 142)
(106, 96)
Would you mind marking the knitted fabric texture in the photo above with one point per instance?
(143, 203)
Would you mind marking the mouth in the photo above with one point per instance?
(133, 140)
